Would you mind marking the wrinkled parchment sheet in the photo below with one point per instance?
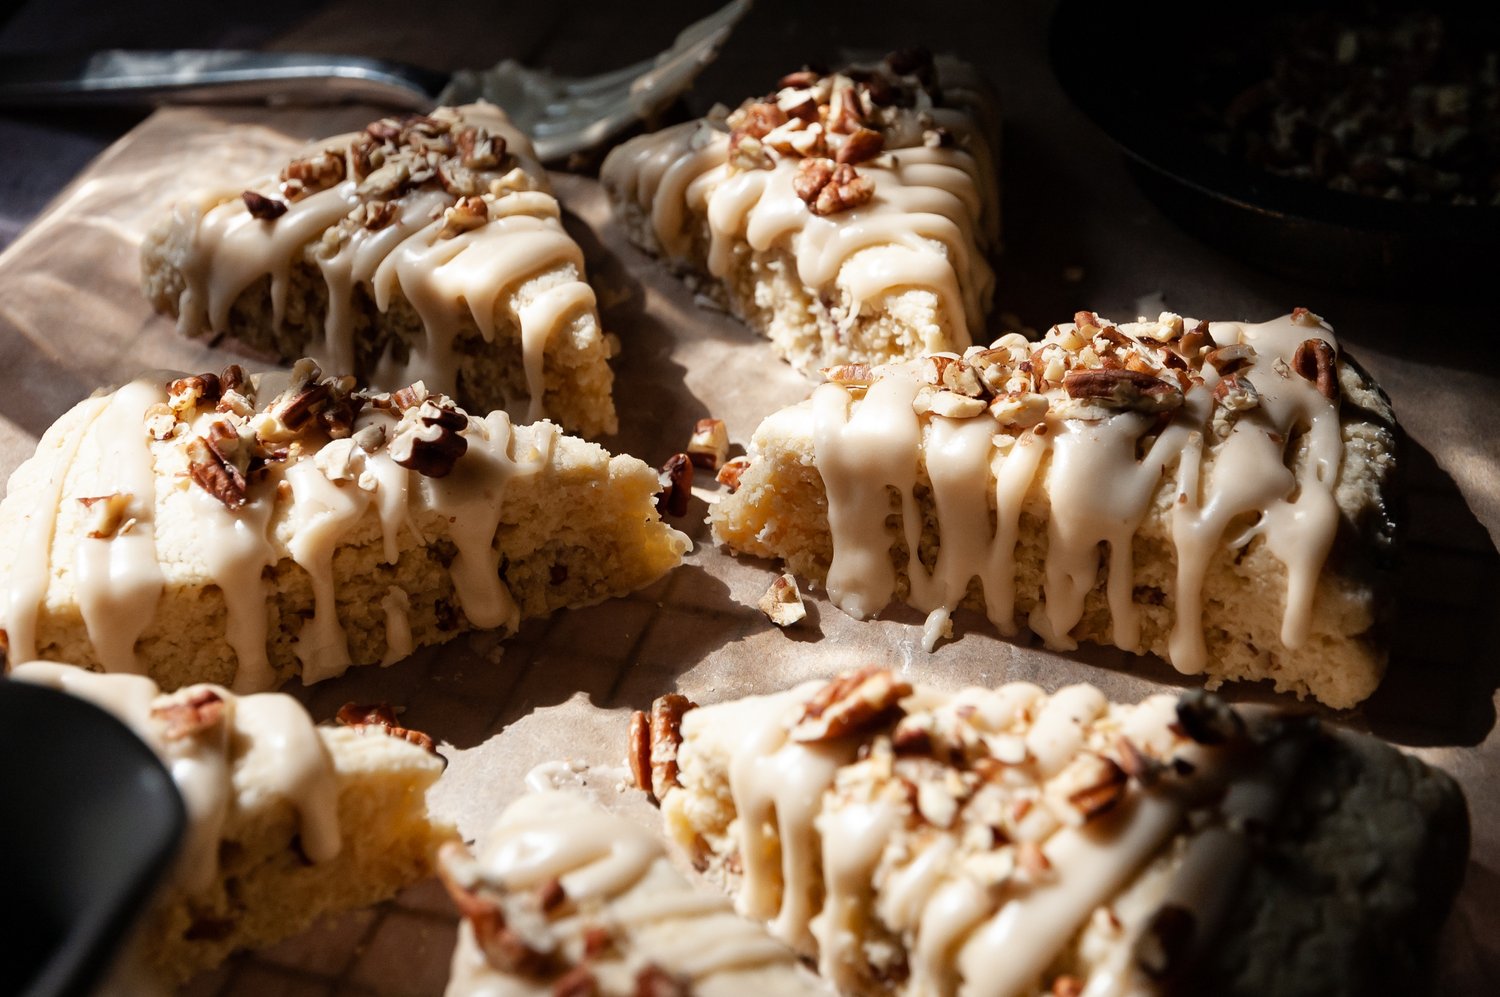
(72, 319)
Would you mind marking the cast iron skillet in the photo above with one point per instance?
(1130, 67)
(91, 822)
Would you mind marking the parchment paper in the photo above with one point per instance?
(72, 319)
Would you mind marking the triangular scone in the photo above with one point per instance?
(1002, 842)
(564, 898)
(244, 530)
(1214, 493)
(423, 248)
(286, 821)
(845, 216)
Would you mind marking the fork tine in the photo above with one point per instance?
(706, 33)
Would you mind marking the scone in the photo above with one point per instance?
(845, 216)
(286, 821)
(565, 899)
(219, 528)
(423, 248)
(1214, 493)
(1001, 842)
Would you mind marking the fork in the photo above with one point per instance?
(562, 114)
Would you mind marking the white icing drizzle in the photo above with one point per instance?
(265, 746)
(614, 874)
(118, 580)
(881, 871)
(472, 276)
(921, 229)
(1098, 491)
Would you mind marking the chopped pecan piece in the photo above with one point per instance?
(782, 602)
(478, 149)
(1316, 361)
(317, 172)
(1091, 785)
(676, 477)
(709, 446)
(214, 475)
(801, 78)
(843, 189)
(729, 475)
(382, 717)
(1230, 359)
(469, 213)
(852, 703)
(640, 751)
(1067, 986)
(576, 982)
(758, 119)
(260, 206)
(952, 374)
(1122, 388)
(106, 514)
(199, 710)
(850, 373)
(746, 152)
(653, 981)
(1236, 393)
(505, 949)
(666, 738)
(860, 145)
(429, 437)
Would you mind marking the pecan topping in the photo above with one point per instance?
(428, 438)
(850, 373)
(1316, 361)
(379, 214)
(1194, 341)
(759, 119)
(317, 172)
(1236, 393)
(676, 477)
(505, 949)
(1092, 785)
(187, 393)
(214, 475)
(1230, 359)
(576, 982)
(852, 703)
(1207, 719)
(1123, 388)
(640, 751)
(653, 981)
(862, 144)
(1067, 986)
(952, 374)
(469, 213)
(746, 152)
(265, 208)
(200, 710)
(828, 188)
(478, 149)
(551, 895)
(666, 737)
(107, 514)
(709, 446)
(729, 475)
(801, 78)
(382, 717)
(782, 602)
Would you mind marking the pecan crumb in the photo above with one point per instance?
(709, 446)
(676, 477)
(213, 474)
(1316, 361)
(263, 207)
(782, 602)
(200, 710)
(729, 475)
(852, 703)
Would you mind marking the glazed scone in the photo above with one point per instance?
(564, 898)
(1213, 493)
(286, 820)
(219, 528)
(1002, 842)
(845, 216)
(423, 248)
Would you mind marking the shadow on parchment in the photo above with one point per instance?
(1445, 666)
